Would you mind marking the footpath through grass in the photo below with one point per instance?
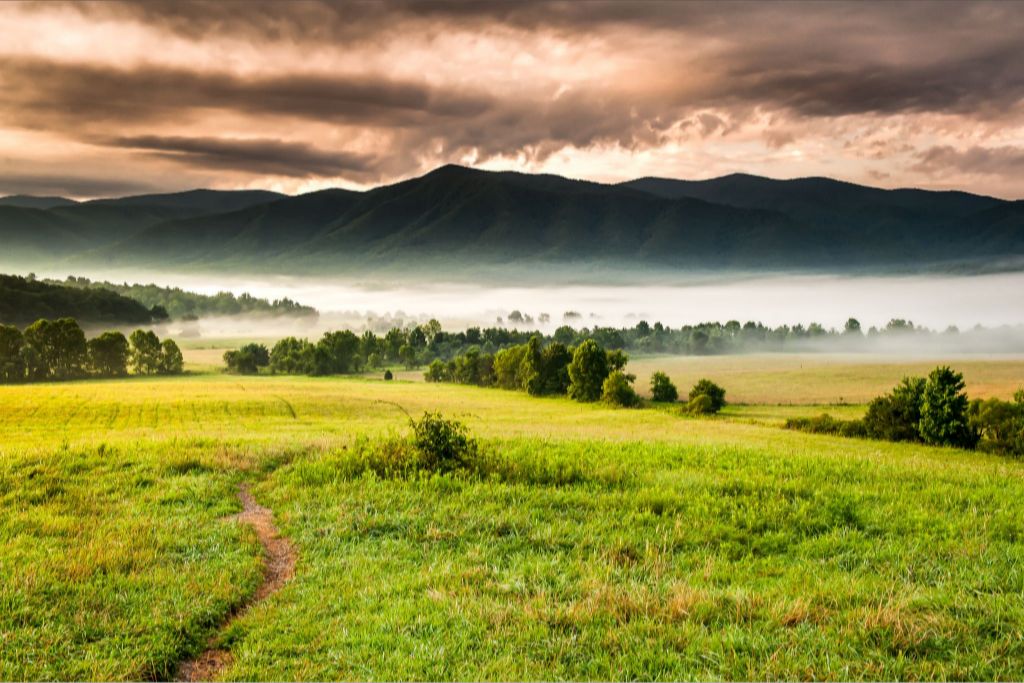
(619, 544)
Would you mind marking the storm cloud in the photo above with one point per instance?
(301, 95)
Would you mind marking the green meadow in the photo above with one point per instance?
(604, 543)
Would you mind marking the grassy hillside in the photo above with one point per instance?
(609, 543)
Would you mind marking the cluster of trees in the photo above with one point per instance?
(178, 303)
(587, 372)
(58, 349)
(934, 410)
(24, 300)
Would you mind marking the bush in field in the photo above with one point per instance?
(897, 416)
(999, 424)
(444, 444)
(587, 371)
(701, 404)
(388, 376)
(715, 393)
(247, 360)
(437, 371)
(662, 389)
(617, 390)
(944, 420)
(826, 424)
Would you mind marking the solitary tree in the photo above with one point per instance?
(714, 393)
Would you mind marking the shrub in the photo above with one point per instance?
(944, 420)
(662, 389)
(444, 444)
(897, 416)
(826, 424)
(999, 424)
(706, 387)
(702, 404)
(247, 360)
(617, 390)
(388, 376)
(437, 371)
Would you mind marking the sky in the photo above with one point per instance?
(107, 99)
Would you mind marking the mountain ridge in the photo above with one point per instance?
(471, 216)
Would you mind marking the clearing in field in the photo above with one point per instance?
(602, 543)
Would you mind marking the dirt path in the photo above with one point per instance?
(279, 566)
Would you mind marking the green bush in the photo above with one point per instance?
(826, 424)
(702, 404)
(999, 424)
(897, 416)
(617, 390)
(662, 389)
(944, 419)
(715, 394)
(388, 376)
(444, 444)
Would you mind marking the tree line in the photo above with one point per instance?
(342, 352)
(58, 350)
(24, 300)
(933, 410)
(587, 373)
(178, 303)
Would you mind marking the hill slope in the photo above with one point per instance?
(24, 301)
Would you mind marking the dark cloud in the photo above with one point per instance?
(69, 186)
(36, 90)
(271, 157)
(1000, 161)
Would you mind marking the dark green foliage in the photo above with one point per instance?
(897, 416)
(999, 424)
(23, 301)
(444, 443)
(12, 366)
(587, 371)
(662, 388)
(337, 353)
(174, 302)
(437, 371)
(715, 393)
(60, 345)
(944, 420)
(826, 424)
(145, 353)
(292, 356)
(617, 390)
(247, 360)
(108, 354)
(388, 376)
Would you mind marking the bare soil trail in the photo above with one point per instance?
(278, 568)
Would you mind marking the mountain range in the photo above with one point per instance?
(464, 219)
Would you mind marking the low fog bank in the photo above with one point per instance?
(934, 302)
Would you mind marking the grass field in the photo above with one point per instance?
(624, 543)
